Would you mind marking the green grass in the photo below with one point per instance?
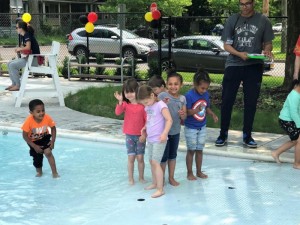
(101, 102)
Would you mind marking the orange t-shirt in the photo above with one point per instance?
(36, 130)
(297, 47)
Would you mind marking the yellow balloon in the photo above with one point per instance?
(89, 27)
(26, 17)
(148, 16)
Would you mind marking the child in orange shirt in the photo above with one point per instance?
(36, 134)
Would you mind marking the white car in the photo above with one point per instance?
(277, 27)
(106, 40)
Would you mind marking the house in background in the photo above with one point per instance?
(54, 11)
(65, 6)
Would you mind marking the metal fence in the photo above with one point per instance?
(50, 27)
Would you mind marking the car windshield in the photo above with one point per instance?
(126, 34)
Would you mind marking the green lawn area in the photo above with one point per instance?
(101, 102)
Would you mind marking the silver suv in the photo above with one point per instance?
(106, 40)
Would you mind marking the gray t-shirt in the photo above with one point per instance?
(246, 34)
(174, 105)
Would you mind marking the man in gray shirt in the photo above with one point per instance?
(247, 32)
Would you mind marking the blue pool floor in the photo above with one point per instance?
(93, 190)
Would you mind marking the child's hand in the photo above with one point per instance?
(118, 96)
(163, 138)
(215, 118)
(181, 114)
(51, 145)
(166, 100)
(142, 138)
(38, 149)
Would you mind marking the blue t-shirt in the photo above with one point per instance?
(193, 100)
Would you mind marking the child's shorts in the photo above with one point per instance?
(38, 157)
(290, 128)
(134, 146)
(156, 151)
(170, 152)
(195, 138)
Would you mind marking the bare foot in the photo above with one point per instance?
(202, 175)
(157, 194)
(9, 87)
(39, 174)
(275, 157)
(143, 181)
(296, 166)
(173, 182)
(55, 175)
(191, 177)
(131, 182)
(14, 88)
(150, 187)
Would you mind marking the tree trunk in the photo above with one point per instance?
(266, 7)
(284, 25)
(293, 32)
(33, 7)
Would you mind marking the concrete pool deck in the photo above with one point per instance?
(93, 127)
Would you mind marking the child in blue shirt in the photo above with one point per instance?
(289, 120)
(198, 105)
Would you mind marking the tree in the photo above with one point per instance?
(199, 8)
(33, 7)
(169, 8)
(293, 32)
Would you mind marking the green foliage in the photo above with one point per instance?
(64, 69)
(100, 60)
(82, 60)
(169, 8)
(129, 70)
(153, 68)
(101, 102)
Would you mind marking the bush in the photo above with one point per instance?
(82, 60)
(64, 69)
(100, 60)
(153, 68)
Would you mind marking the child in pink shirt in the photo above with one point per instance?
(134, 121)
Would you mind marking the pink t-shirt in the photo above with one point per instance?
(134, 118)
(155, 121)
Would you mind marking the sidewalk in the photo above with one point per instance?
(95, 127)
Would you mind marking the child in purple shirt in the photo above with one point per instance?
(159, 122)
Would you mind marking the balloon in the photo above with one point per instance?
(83, 19)
(148, 17)
(92, 17)
(156, 14)
(89, 27)
(26, 17)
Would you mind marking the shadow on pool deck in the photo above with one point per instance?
(94, 126)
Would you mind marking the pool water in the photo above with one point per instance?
(93, 189)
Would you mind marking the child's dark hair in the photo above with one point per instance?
(130, 85)
(34, 103)
(201, 76)
(173, 73)
(26, 27)
(144, 92)
(156, 81)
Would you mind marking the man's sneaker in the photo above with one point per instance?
(221, 141)
(249, 141)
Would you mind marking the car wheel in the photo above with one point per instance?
(80, 51)
(166, 65)
(129, 52)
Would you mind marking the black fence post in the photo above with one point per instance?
(159, 47)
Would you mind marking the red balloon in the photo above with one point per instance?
(156, 14)
(153, 4)
(92, 17)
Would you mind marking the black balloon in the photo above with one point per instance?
(83, 19)
(154, 24)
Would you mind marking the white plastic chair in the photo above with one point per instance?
(51, 68)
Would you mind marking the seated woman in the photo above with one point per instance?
(29, 45)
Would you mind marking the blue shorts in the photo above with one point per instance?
(171, 148)
(195, 138)
(134, 146)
